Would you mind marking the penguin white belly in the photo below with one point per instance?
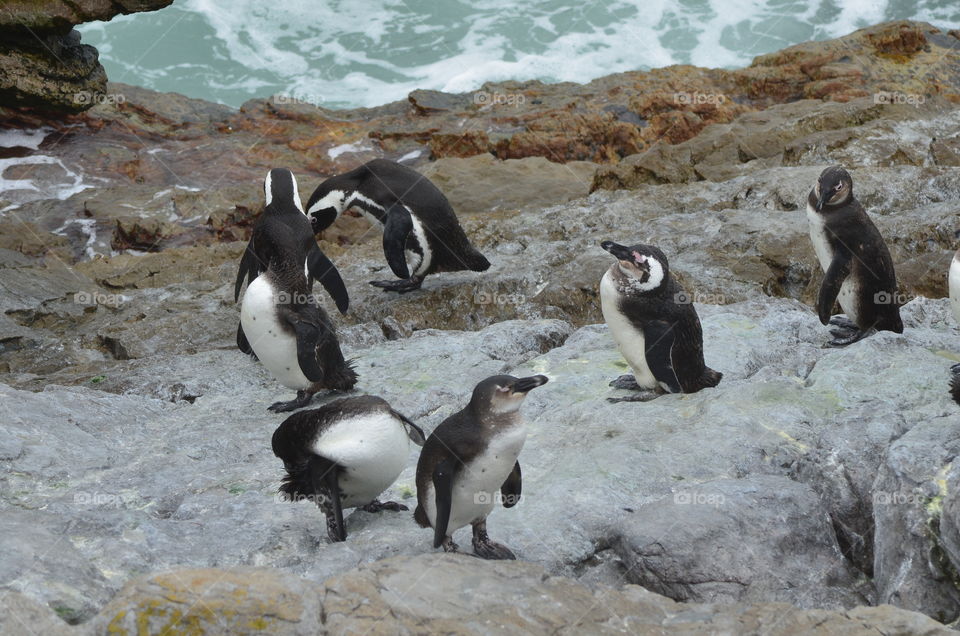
(629, 339)
(476, 489)
(954, 284)
(275, 347)
(849, 289)
(416, 263)
(372, 448)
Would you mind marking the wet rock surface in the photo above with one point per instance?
(134, 437)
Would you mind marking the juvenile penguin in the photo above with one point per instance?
(344, 455)
(280, 320)
(654, 325)
(421, 234)
(857, 264)
(954, 286)
(469, 459)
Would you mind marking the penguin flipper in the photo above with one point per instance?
(832, 280)
(249, 268)
(414, 432)
(323, 270)
(242, 343)
(308, 335)
(398, 225)
(512, 487)
(325, 479)
(659, 337)
(443, 476)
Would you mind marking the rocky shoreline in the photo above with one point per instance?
(136, 437)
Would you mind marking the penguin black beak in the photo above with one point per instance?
(523, 385)
(823, 199)
(621, 252)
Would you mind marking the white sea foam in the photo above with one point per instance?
(19, 191)
(13, 137)
(367, 53)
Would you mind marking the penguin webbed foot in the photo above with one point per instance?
(449, 545)
(843, 336)
(400, 286)
(335, 532)
(644, 395)
(303, 398)
(484, 548)
(844, 323)
(379, 506)
(626, 382)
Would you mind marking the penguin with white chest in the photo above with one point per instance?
(654, 325)
(470, 462)
(858, 269)
(280, 320)
(421, 233)
(344, 455)
(953, 283)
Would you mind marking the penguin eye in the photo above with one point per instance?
(839, 187)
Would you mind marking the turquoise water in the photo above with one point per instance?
(368, 52)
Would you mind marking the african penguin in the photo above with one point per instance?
(421, 234)
(858, 268)
(344, 455)
(470, 462)
(653, 323)
(954, 287)
(280, 320)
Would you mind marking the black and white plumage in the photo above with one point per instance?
(421, 233)
(858, 269)
(653, 323)
(280, 320)
(469, 463)
(344, 455)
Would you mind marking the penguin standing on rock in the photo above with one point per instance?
(654, 324)
(857, 264)
(280, 320)
(954, 287)
(470, 462)
(421, 234)
(344, 455)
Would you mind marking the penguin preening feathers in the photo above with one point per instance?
(469, 463)
(654, 324)
(280, 320)
(858, 269)
(421, 233)
(953, 284)
(344, 455)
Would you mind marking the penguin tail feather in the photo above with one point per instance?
(711, 377)
(420, 516)
(343, 378)
(477, 262)
(296, 484)
(955, 387)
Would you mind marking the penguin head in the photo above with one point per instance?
(325, 208)
(280, 190)
(645, 266)
(504, 393)
(834, 187)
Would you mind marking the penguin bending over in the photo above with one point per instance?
(344, 455)
(654, 325)
(421, 234)
(954, 286)
(857, 264)
(280, 320)
(470, 461)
